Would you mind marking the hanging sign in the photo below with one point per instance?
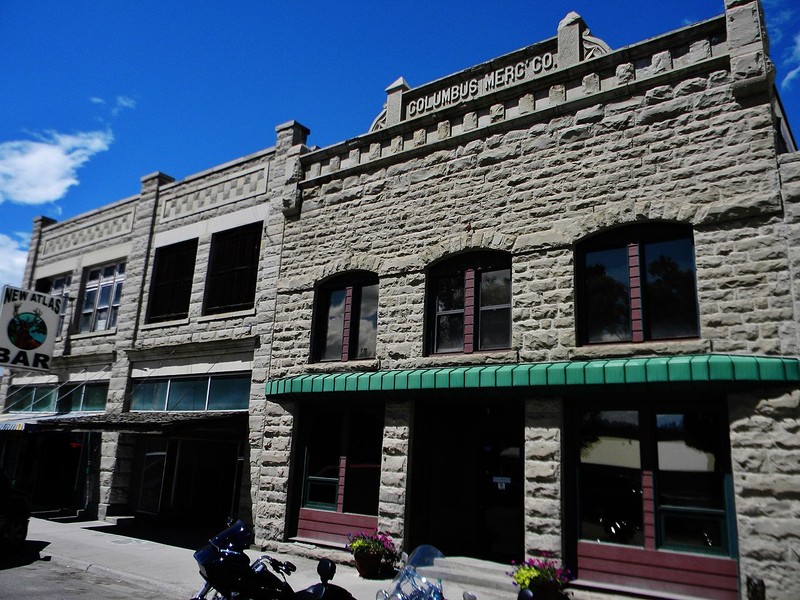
(28, 323)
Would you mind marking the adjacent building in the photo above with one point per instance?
(548, 303)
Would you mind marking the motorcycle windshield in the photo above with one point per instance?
(235, 538)
(411, 583)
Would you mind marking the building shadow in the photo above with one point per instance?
(170, 532)
(30, 553)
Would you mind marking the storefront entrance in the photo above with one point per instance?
(466, 495)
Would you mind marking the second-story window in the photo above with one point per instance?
(469, 303)
(101, 295)
(233, 269)
(57, 286)
(346, 318)
(171, 286)
(637, 283)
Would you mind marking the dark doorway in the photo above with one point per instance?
(467, 490)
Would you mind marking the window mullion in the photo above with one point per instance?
(469, 310)
(635, 278)
(346, 320)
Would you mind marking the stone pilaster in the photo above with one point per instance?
(751, 68)
(765, 457)
(394, 470)
(35, 247)
(292, 137)
(570, 40)
(543, 427)
(394, 101)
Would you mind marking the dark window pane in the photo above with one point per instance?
(229, 393)
(171, 286)
(610, 477)
(450, 333)
(44, 399)
(495, 328)
(368, 322)
(334, 325)
(364, 451)
(94, 397)
(187, 394)
(669, 288)
(690, 455)
(450, 293)
(607, 296)
(495, 288)
(149, 395)
(323, 451)
(698, 532)
(233, 269)
(19, 399)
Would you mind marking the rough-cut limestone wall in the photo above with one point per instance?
(765, 452)
(686, 152)
(543, 475)
(394, 470)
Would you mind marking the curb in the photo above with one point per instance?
(171, 589)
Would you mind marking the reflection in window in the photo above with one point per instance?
(342, 456)
(101, 296)
(684, 460)
(346, 318)
(470, 303)
(217, 392)
(84, 397)
(610, 476)
(31, 398)
(637, 283)
(58, 287)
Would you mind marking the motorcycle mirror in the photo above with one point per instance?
(469, 596)
(326, 569)
(382, 595)
(404, 558)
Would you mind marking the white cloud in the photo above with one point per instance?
(122, 102)
(41, 171)
(793, 62)
(14, 253)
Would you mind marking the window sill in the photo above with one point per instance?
(369, 364)
(473, 358)
(93, 334)
(161, 324)
(228, 315)
(661, 347)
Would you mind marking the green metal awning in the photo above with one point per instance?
(555, 376)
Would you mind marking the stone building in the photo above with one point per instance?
(548, 303)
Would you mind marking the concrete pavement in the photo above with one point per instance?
(169, 571)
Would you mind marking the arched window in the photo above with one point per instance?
(637, 283)
(345, 318)
(469, 303)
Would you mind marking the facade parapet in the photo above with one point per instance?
(514, 90)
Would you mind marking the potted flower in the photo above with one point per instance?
(375, 553)
(544, 576)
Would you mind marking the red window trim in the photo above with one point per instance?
(663, 570)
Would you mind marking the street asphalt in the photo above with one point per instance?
(170, 571)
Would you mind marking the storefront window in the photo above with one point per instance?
(217, 392)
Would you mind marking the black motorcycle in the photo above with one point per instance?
(229, 574)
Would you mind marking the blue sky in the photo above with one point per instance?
(98, 93)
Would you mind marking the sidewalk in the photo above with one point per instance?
(167, 570)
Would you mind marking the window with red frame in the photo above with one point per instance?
(346, 318)
(637, 283)
(654, 493)
(469, 303)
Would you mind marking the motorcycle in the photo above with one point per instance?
(228, 573)
(410, 582)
